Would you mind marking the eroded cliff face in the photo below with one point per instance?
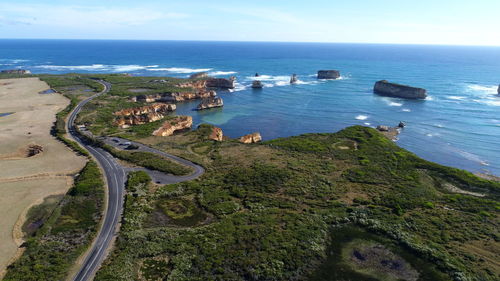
(171, 126)
(251, 138)
(142, 115)
(211, 102)
(216, 134)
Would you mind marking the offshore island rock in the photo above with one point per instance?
(294, 79)
(385, 88)
(256, 84)
(210, 103)
(221, 83)
(328, 74)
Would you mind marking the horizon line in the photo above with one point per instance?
(250, 41)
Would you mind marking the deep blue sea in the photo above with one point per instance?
(458, 125)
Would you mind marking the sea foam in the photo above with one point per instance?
(361, 117)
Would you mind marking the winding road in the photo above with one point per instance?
(115, 178)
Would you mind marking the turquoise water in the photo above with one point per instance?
(458, 125)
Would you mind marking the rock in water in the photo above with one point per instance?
(178, 123)
(16, 71)
(251, 138)
(210, 103)
(199, 75)
(221, 83)
(383, 128)
(294, 79)
(257, 84)
(328, 74)
(385, 88)
(498, 90)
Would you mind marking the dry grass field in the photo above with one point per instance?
(33, 164)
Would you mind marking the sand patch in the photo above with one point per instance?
(33, 164)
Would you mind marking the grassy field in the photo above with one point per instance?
(24, 180)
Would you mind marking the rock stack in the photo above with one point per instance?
(498, 90)
(256, 84)
(221, 83)
(210, 103)
(328, 74)
(386, 88)
(294, 79)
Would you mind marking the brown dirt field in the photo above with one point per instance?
(25, 181)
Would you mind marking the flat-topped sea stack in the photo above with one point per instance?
(211, 102)
(142, 115)
(251, 138)
(328, 74)
(16, 71)
(179, 123)
(221, 83)
(386, 88)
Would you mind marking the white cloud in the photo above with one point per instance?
(82, 16)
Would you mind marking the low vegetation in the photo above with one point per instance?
(272, 210)
(62, 232)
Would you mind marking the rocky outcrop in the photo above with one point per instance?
(386, 88)
(328, 74)
(171, 126)
(200, 85)
(142, 115)
(221, 83)
(391, 132)
(294, 79)
(498, 90)
(16, 71)
(256, 84)
(216, 134)
(251, 138)
(211, 102)
(199, 75)
(33, 150)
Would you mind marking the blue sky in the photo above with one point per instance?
(451, 22)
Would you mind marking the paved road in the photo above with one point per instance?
(116, 178)
(157, 177)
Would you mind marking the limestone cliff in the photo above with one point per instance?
(216, 134)
(221, 83)
(251, 138)
(175, 96)
(211, 102)
(171, 126)
(143, 114)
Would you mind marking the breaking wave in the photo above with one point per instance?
(361, 117)
(181, 70)
(216, 73)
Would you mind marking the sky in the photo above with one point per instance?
(447, 22)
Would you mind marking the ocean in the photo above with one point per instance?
(458, 125)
